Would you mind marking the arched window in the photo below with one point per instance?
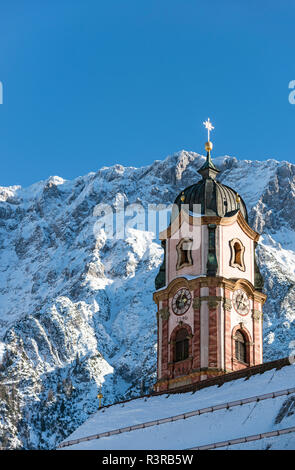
(240, 347)
(184, 252)
(237, 254)
(181, 345)
(183, 256)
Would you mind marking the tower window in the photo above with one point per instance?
(184, 252)
(181, 345)
(237, 254)
(240, 347)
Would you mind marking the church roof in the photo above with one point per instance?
(260, 405)
(213, 197)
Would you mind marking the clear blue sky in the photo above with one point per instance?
(90, 83)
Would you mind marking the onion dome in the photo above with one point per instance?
(213, 197)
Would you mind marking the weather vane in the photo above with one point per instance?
(209, 127)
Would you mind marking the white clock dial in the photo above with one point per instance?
(241, 302)
(181, 301)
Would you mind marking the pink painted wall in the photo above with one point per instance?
(199, 245)
(225, 234)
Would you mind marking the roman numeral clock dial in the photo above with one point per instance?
(181, 301)
(241, 302)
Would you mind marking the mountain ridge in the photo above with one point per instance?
(76, 310)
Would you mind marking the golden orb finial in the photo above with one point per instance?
(182, 197)
(208, 146)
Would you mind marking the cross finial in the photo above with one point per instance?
(209, 127)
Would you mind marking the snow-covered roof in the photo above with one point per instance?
(260, 404)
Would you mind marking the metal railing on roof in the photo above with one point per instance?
(186, 415)
(243, 440)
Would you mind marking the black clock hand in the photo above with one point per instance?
(182, 299)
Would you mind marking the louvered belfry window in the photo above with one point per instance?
(181, 345)
(240, 346)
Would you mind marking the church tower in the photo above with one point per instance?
(209, 288)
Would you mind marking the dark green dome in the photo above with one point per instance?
(214, 198)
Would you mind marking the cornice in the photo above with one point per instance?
(204, 281)
(206, 220)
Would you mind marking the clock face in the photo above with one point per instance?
(241, 302)
(181, 301)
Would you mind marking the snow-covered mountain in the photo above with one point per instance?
(76, 308)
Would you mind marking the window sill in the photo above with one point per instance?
(236, 361)
(181, 360)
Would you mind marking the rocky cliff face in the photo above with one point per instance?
(76, 307)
